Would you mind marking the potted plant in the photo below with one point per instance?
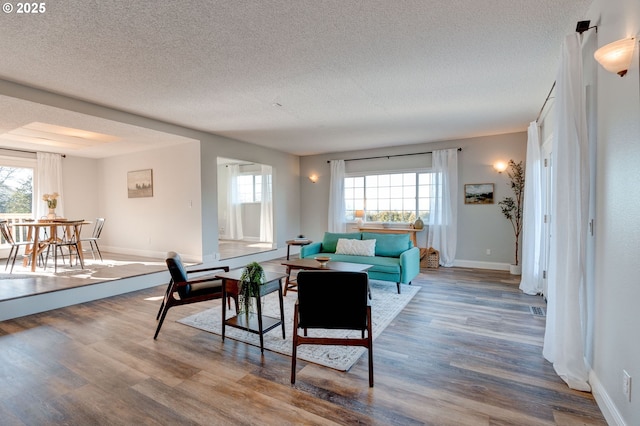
(512, 206)
(250, 281)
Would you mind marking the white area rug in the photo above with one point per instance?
(386, 303)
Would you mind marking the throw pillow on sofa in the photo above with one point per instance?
(330, 240)
(356, 247)
(389, 245)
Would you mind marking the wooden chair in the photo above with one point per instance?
(182, 291)
(332, 300)
(95, 236)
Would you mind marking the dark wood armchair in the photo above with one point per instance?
(332, 300)
(181, 290)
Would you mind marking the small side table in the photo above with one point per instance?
(297, 242)
(252, 322)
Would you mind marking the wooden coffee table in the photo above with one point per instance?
(312, 264)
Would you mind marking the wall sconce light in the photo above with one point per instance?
(313, 178)
(616, 57)
(500, 166)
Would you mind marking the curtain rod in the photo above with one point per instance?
(389, 156)
(30, 152)
(545, 101)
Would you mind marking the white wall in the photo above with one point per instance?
(151, 226)
(617, 317)
(480, 227)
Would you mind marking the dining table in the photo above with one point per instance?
(38, 245)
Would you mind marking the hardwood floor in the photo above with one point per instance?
(465, 351)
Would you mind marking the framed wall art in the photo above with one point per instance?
(140, 183)
(478, 193)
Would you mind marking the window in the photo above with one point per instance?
(250, 188)
(16, 190)
(391, 197)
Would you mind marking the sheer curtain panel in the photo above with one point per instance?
(443, 216)
(234, 208)
(563, 339)
(49, 181)
(532, 238)
(266, 206)
(336, 198)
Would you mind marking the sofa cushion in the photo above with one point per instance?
(388, 265)
(356, 247)
(389, 245)
(330, 240)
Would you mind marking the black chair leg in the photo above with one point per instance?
(165, 298)
(164, 314)
(97, 249)
(14, 252)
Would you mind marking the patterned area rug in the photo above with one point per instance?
(386, 303)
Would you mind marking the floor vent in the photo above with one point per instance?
(538, 311)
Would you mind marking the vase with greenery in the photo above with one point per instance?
(249, 287)
(512, 206)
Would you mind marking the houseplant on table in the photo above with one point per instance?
(511, 207)
(250, 281)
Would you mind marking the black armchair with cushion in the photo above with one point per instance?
(332, 300)
(181, 290)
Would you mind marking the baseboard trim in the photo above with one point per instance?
(604, 401)
(481, 265)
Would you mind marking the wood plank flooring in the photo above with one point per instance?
(465, 351)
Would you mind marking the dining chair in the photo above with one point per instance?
(332, 300)
(95, 236)
(15, 245)
(68, 238)
(182, 290)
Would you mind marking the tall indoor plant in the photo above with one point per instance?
(512, 206)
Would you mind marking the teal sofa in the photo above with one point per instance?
(395, 260)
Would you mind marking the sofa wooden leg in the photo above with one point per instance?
(398, 284)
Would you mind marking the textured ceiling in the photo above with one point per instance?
(299, 76)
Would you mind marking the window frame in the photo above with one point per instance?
(354, 203)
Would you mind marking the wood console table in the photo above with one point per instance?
(410, 231)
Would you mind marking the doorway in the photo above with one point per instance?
(245, 207)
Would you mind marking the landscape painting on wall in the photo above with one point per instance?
(140, 183)
(478, 193)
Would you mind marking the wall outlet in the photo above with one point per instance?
(626, 384)
(488, 252)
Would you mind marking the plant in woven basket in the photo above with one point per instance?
(512, 206)
(249, 287)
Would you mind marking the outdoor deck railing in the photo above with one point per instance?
(19, 232)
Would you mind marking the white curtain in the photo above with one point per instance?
(563, 340)
(266, 206)
(49, 181)
(234, 208)
(443, 216)
(532, 238)
(336, 198)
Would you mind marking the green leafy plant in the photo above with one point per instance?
(250, 281)
(512, 206)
